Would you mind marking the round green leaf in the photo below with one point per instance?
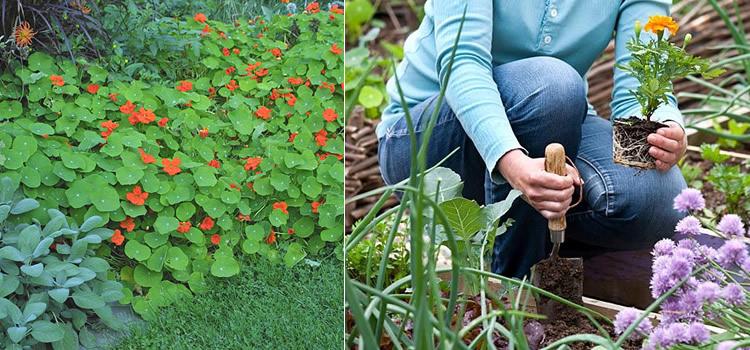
(370, 97)
(128, 175)
(225, 267)
(137, 251)
(166, 224)
(204, 176)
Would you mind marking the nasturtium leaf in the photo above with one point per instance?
(62, 172)
(294, 254)
(370, 97)
(210, 62)
(242, 120)
(78, 194)
(166, 224)
(214, 208)
(176, 259)
(185, 211)
(304, 227)
(279, 181)
(128, 175)
(204, 176)
(263, 186)
(231, 196)
(106, 199)
(145, 277)
(30, 177)
(277, 218)
(97, 74)
(250, 246)
(156, 261)
(225, 267)
(311, 187)
(332, 234)
(41, 129)
(41, 62)
(195, 236)
(10, 109)
(256, 232)
(197, 282)
(137, 251)
(155, 240)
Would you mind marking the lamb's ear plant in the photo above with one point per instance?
(52, 287)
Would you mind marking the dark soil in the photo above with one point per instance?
(714, 198)
(564, 278)
(630, 144)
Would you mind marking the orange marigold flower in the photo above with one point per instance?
(657, 24)
(57, 80)
(127, 224)
(315, 205)
(92, 88)
(263, 113)
(214, 163)
(225, 51)
(203, 133)
(252, 163)
(215, 239)
(271, 239)
(145, 157)
(117, 238)
(276, 52)
(127, 108)
(336, 50)
(321, 137)
(232, 85)
(23, 33)
(330, 115)
(137, 196)
(295, 81)
(199, 17)
(184, 227)
(207, 223)
(293, 136)
(163, 122)
(172, 167)
(185, 86)
(313, 7)
(281, 206)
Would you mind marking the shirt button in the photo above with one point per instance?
(547, 39)
(553, 12)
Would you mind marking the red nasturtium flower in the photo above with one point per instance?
(290, 231)
(327, 85)
(203, 133)
(215, 239)
(335, 9)
(113, 97)
(292, 136)
(295, 81)
(330, 115)
(184, 227)
(163, 122)
(313, 7)
(118, 238)
(199, 17)
(321, 137)
(206, 29)
(276, 52)
(57, 80)
(214, 163)
(230, 70)
(207, 223)
(145, 157)
(252, 163)
(236, 51)
(211, 92)
(127, 224)
(142, 115)
(127, 108)
(137, 196)
(271, 239)
(263, 113)
(243, 218)
(225, 51)
(336, 50)
(110, 126)
(232, 85)
(185, 86)
(171, 167)
(261, 72)
(92, 88)
(281, 206)
(314, 206)
(291, 99)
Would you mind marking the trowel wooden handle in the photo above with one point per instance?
(554, 162)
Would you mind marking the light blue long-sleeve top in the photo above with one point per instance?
(501, 31)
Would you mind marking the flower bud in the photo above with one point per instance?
(688, 37)
(638, 27)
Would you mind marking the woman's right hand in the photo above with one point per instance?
(548, 193)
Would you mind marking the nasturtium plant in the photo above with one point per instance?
(51, 283)
(246, 156)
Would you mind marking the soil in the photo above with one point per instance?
(630, 146)
(714, 198)
(562, 277)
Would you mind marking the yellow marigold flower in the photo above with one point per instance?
(23, 34)
(657, 24)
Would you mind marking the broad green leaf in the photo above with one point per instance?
(463, 215)
(137, 251)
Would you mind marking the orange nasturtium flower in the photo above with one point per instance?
(127, 224)
(57, 80)
(313, 7)
(171, 167)
(214, 163)
(199, 17)
(127, 108)
(185, 86)
(252, 163)
(276, 52)
(321, 137)
(336, 50)
(118, 238)
(271, 239)
(330, 115)
(315, 205)
(225, 52)
(293, 136)
(110, 126)
(184, 227)
(163, 122)
(207, 223)
(92, 88)
(232, 85)
(281, 206)
(203, 133)
(215, 239)
(263, 113)
(145, 157)
(23, 33)
(143, 115)
(261, 72)
(113, 97)
(236, 51)
(657, 24)
(335, 9)
(137, 196)
(295, 81)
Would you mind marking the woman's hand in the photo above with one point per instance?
(548, 193)
(668, 145)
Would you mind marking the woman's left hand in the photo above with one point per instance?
(668, 145)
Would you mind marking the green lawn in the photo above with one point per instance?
(265, 307)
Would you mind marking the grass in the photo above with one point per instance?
(265, 307)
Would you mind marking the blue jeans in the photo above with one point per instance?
(545, 100)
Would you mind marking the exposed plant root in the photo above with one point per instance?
(629, 144)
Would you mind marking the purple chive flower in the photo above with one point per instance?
(659, 338)
(732, 252)
(708, 292)
(663, 247)
(678, 333)
(726, 345)
(731, 225)
(688, 243)
(698, 332)
(733, 294)
(689, 199)
(690, 225)
(668, 271)
(626, 317)
(680, 252)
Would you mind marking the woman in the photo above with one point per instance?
(517, 85)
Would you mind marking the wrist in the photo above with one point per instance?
(508, 164)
